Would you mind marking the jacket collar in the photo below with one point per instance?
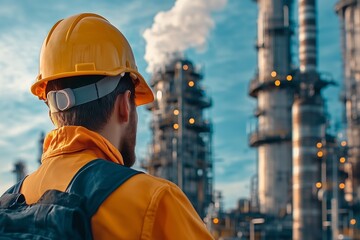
(75, 139)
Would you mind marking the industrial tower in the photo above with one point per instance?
(309, 130)
(181, 146)
(19, 170)
(349, 13)
(272, 86)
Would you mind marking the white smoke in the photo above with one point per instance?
(186, 25)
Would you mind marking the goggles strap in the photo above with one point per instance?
(67, 98)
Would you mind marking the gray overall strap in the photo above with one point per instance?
(97, 180)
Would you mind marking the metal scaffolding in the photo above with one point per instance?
(181, 147)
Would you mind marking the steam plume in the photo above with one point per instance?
(186, 25)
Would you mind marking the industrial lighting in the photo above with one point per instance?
(342, 160)
(343, 143)
(156, 148)
(191, 120)
(277, 82)
(353, 221)
(215, 220)
(176, 126)
(289, 77)
(342, 185)
(319, 145)
(273, 73)
(318, 185)
(159, 95)
(185, 67)
(191, 83)
(176, 112)
(320, 154)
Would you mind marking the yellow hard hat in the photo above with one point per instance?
(87, 44)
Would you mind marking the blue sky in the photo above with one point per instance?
(228, 58)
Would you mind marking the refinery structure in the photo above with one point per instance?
(349, 14)
(303, 170)
(181, 147)
(307, 178)
(307, 185)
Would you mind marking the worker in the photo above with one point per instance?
(89, 80)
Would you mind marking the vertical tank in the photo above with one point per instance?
(309, 129)
(349, 14)
(272, 89)
(180, 150)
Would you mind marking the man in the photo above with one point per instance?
(89, 79)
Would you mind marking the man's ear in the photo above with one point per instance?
(123, 106)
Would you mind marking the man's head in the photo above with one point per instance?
(88, 77)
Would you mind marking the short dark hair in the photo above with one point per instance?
(92, 115)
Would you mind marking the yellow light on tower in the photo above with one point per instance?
(319, 145)
(343, 143)
(215, 220)
(342, 185)
(277, 82)
(273, 73)
(353, 221)
(318, 185)
(176, 126)
(191, 83)
(342, 160)
(185, 67)
(176, 112)
(191, 120)
(289, 78)
(320, 154)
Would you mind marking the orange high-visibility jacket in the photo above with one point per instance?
(144, 207)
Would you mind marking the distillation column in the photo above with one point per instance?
(272, 88)
(19, 170)
(181, 147)
(308, 119)
(349, 13)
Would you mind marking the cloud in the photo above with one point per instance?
(186, 25)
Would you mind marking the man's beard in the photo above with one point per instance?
(127, 149)
(128, 153)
